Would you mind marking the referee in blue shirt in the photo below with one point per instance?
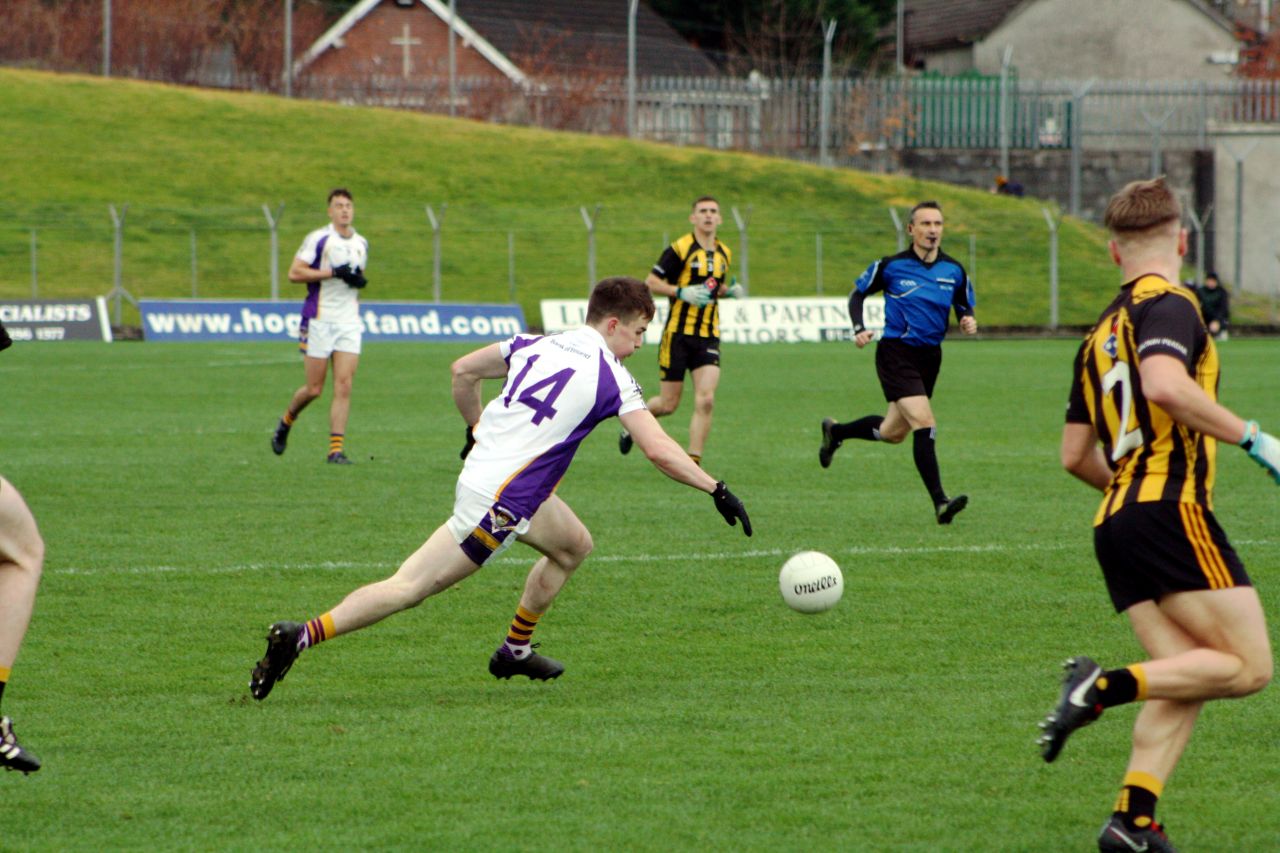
(921, 285)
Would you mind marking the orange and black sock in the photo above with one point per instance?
(1136, 805)
(286, 420)
(4, 679)
(336, 440)
(318, 630)
(1122, 686)
(517, 642)
(697, 459)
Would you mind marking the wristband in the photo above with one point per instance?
(1250, 435)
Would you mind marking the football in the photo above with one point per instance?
(811, 582)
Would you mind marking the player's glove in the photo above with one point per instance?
(730, 507)
(351, 275)
(1262, 448)
(695, 294)
(470, 443)
(736, 291)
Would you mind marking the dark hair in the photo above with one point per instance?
(705, 198)
(340, 191)
(1212, 275)
(1141, 206)
(620, 296)
(924, 205)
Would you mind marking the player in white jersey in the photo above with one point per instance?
(331, 262)
(557, 389)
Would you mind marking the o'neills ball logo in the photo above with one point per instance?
(825, 582)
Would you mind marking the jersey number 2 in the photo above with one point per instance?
(544, 406)
(1119, 377)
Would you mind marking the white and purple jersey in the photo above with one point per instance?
(558, 388)
(332, 299)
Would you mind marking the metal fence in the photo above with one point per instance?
(783, 116)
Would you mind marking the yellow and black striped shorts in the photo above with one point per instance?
(1148, 550)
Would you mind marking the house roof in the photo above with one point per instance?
(566, 35)
(519, 37)
(941, 24)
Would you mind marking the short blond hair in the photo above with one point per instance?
(1142, 209)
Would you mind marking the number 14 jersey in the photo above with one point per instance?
(1152, 457)
(558, 388)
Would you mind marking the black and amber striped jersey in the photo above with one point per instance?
(1152, 457)
(686, 263)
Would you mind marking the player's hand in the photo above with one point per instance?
(863, 338)
(736, 291)
(468, 444)
(351, 275)
(694, 294)
(730, 507)
(1262, 448)
(969, 325)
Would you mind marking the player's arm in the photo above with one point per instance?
(469, 373)
(669, 458)
(1082, 455)
(962, 300)
(871, 281)
(302, 272)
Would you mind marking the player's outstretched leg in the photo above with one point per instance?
(12, 754)
(950, 508)
(1078, 705)
(830, 444)
(624, 442)
(535, 666)
(283, 641)
(1115, 838)
(280, 438)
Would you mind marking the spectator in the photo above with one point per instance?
(1004, 186)
(1215, 305)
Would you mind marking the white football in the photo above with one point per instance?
(811, 582)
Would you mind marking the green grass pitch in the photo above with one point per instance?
(697, 712)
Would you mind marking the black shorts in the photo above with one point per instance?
(678, 353)
(1148, 550)
(906, 371)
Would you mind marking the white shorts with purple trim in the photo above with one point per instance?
(483, 527)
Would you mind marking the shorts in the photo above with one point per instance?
(481, 526)
(1148, 550)
(678, 353)
(906, 371)
(321, 339)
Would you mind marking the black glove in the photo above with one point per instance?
(350, 275)
(5, 340)
(730, 507)
(466, 448)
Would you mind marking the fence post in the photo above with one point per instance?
(743, 222)
(273, 222)
(897, 228)
(1199, 225)
(35, 269)
(818, 249)
(1005, 61)
(194, 268)
(117, 289)
(973, 257)
(590, 220)
(1077, 139)
(1053, 268)
(1239, 223)
(436, 223)
(1157, 128)
(824, 111)
(631, 69)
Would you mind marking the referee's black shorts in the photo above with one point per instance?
(906, 371)
(1148, 550)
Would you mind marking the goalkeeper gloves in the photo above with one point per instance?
(1262, 448)
(470, 443)
(351, 275)
(735, 290)
(730, 507)
(695, 294)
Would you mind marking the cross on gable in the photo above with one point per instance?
(406, 41)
